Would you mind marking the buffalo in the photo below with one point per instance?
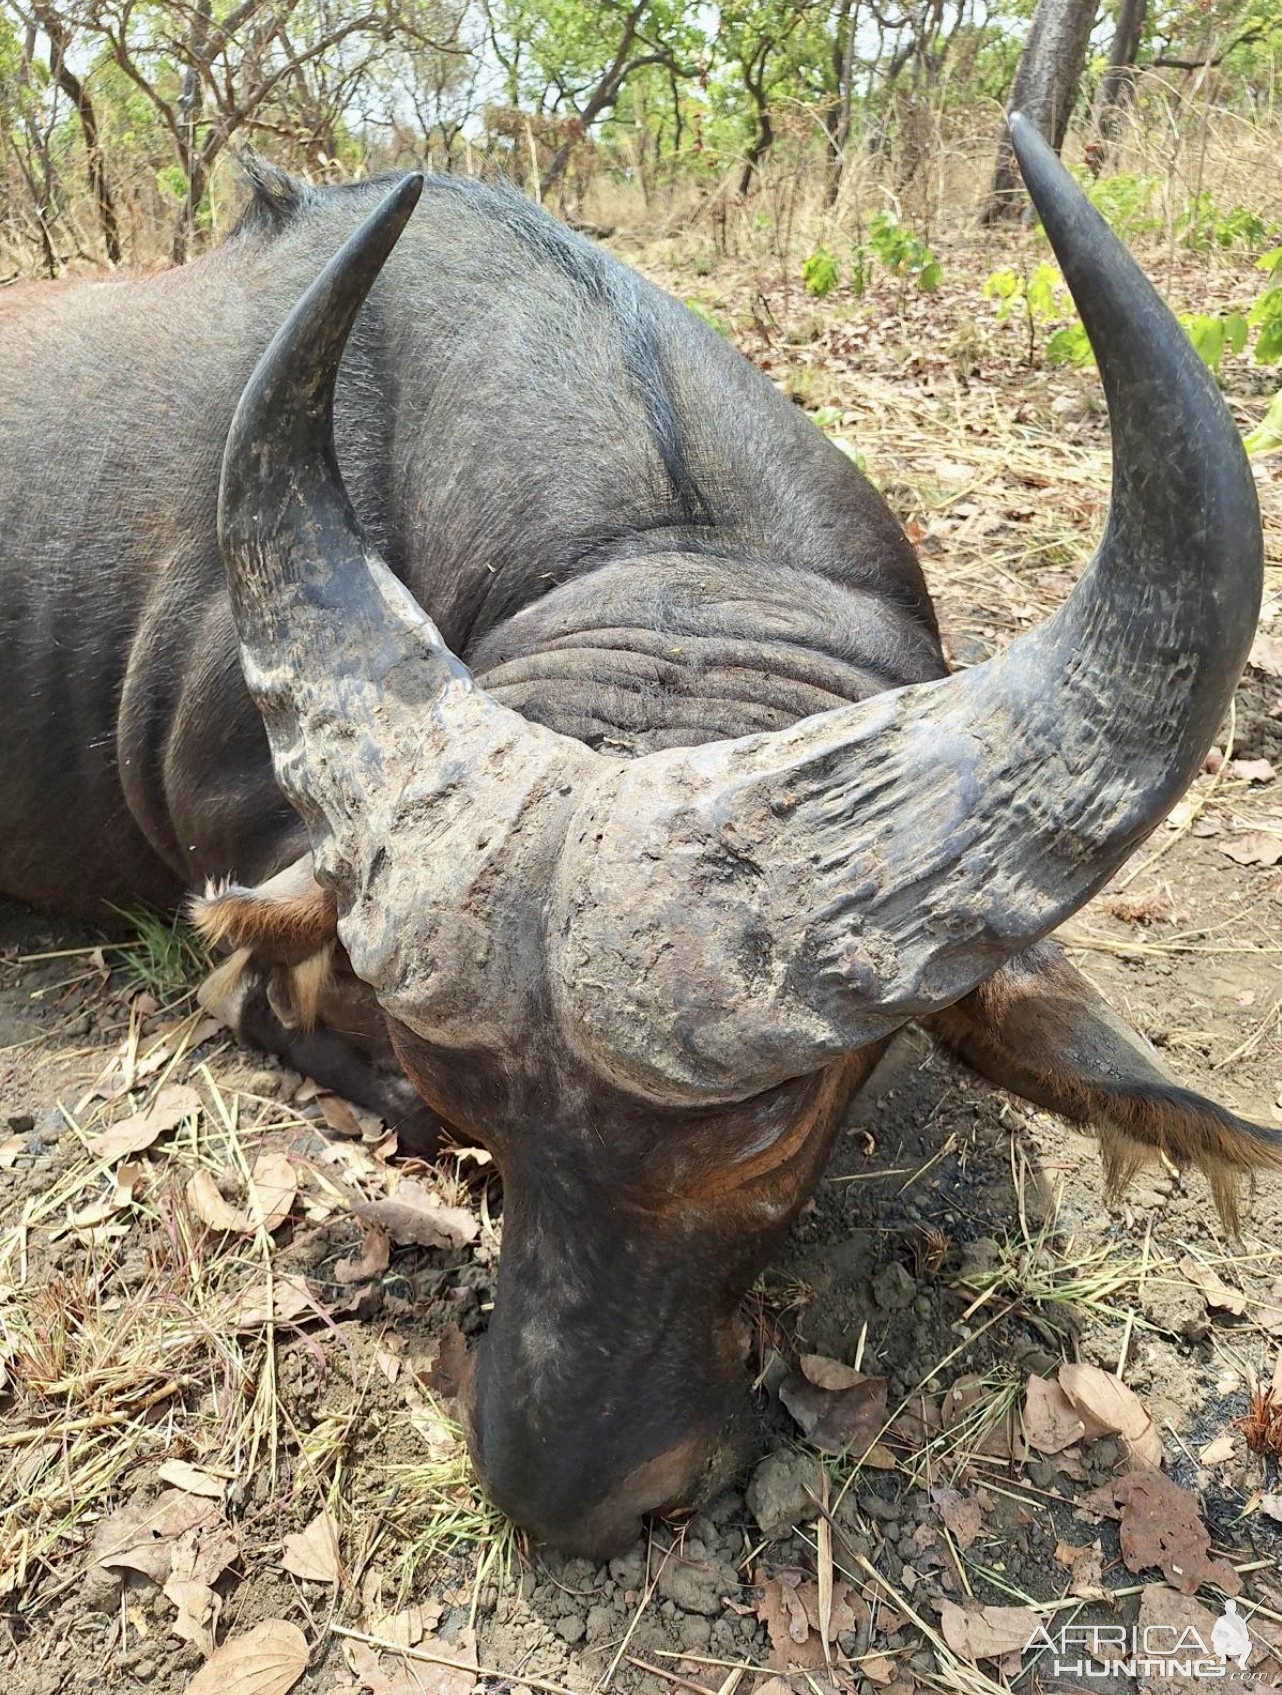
(629, 859)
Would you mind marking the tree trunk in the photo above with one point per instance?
(1045, 90)
(78, 94)
(1118, 84)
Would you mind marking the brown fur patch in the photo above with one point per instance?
(1039, 1029)
(284, 929)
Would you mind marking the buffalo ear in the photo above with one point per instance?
(1039, 1029)
(288, 920)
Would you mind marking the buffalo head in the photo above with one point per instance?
(650, 985)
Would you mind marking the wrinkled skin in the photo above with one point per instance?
(632, 539)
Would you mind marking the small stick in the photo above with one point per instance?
(670, 1676)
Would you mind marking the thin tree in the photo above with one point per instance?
(1117, 86)
(1045, 88)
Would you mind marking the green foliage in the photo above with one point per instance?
(831, 420)
(1213, 335)
(819, 272)
(1267, 435)
(905, 255)
(709, 316)
(1266, 314)
(1125, 202)
(1070, 346)
(1202, 225)
(1041, 297)
(164, 955)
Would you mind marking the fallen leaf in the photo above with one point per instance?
(790, 1612)
(339, 1116)
(1271, 1506)
(312, 1553)
(998, 1436)
(877, 1668)
(1086, 1570)
(408, 1627)
(415, 1217)
(1266, 654)
(1161, 1527)
(987, 1633)
(1051, 1422)
(827, 1373)
(10, 1148)
(1215, 1292)
(273, 1184)
(142, 1535)
(206, 1201)
(388, 1363)
(128, 1180)
(1215, 1453)
(1114, 1409)
(374, 1257)
(387, 1674)
(1252, 770)
(288, 1298)
(837, 1420)
(959, 1512)
(452, 1368)
(192, 1480)
(198, 1608)
(131, 1135)
(1256, 847)
(267, 1660)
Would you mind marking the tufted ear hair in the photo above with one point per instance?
(287, 920)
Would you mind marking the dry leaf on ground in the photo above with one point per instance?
(1256, 847)
(312, 1553)
(273, 1184)
(374, 1257)
(288, 1298)
(1252, 770)
(790, 1612)
(192, 1479)
(1215, 1453)
(10, 1148)
(1266, 654)
(987, 1633)
(1051, 1421)
(837, 1420)
(198, 1607)
(1086, 1570)
(1215, 1292)
(1108, 1407)
(128, 1180)
(144, 1536)
(993, 1428)
(961, 1513)
(339, 1116)
(389, 1674)
(1271, 1506)
(267, 1660)
(452, 1368)
(131, 1135)
(1161, 1527)
(415, 1217)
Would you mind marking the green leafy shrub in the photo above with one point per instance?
(1213, 335)
(905, 255)
(819, 272)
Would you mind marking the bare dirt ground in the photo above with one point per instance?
(230, 1318)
